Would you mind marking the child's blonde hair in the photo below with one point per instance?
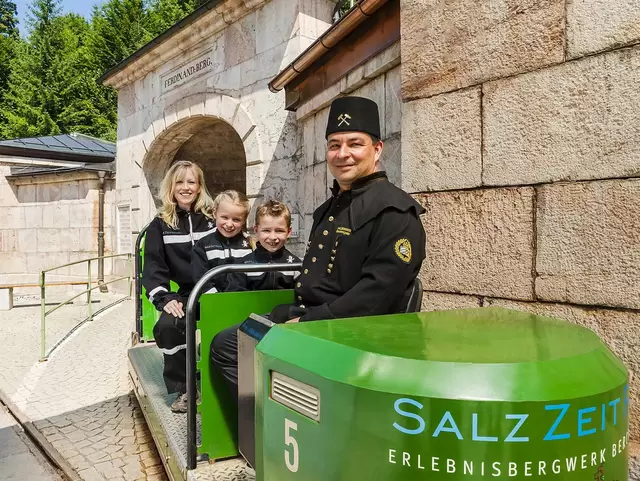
(203, 202)
(237, 198)
(273, 208)
(234, 197)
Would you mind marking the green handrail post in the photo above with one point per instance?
(131, 272)
(42, 319)
(90, 317)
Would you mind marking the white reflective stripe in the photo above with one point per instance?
(200, 235)
(170, 352)
(258, 274)
(216, 255)
(223, 254)
(176, 239)
(155, 291)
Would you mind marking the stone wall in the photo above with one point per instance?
(520, 135)
(51, 220)
(377, 79)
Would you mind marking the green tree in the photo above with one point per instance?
(8, 19)
(162, 14)
(119, 28)
(8, 39)
(50, 77)
(85, 106)
(23, 106)
(30, 105)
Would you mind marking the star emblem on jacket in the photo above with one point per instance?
(210, 224)
(290, 259)
(245, 243)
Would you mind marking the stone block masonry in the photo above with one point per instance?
(579, 120)
(588, 243)
(520, 137)
(480, 242)
(448, 155)
(596, 25)
(451, 45)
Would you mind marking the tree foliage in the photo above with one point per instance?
(8, 19)
(48, 78)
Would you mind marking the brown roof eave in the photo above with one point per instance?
(328, 40)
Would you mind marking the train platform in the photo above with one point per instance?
(79, 402)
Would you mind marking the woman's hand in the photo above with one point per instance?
(174, 308)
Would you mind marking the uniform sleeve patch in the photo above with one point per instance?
(403, 250)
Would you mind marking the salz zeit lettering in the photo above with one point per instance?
(576, 422)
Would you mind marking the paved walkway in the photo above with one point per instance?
(80, 398)
(19, 459)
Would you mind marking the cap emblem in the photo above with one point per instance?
(344, 119)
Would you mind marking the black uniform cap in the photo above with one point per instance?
(353, 114)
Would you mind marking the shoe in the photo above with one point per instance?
(180, 404)
(251, 473)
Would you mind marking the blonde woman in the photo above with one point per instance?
(184, 218)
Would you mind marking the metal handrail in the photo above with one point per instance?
(194, 297)
(83, 260)
(44, 313)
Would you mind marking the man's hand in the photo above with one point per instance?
(174, 308)
(290, 321)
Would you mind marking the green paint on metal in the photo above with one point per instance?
(218, 411)
(150, 314)
(440, 346)
(458, 395)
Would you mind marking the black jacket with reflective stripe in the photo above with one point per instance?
(263, 281)
(214, 250)
(167, 255)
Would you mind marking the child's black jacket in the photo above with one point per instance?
(262, 281)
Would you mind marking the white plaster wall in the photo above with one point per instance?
(246, 55)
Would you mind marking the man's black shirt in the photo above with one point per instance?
(365, 250)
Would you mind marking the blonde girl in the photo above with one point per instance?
(228, 243)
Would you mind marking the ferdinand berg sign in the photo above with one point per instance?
(186, 72)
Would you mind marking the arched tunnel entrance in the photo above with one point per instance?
(209, 141)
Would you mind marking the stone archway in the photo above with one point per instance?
(218, 149)
(211, 129)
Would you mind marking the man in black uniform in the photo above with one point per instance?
(367, 242)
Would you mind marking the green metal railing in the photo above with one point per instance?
(91, 285)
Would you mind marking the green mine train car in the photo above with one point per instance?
(469, 394)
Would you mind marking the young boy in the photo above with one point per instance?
(272, 229)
